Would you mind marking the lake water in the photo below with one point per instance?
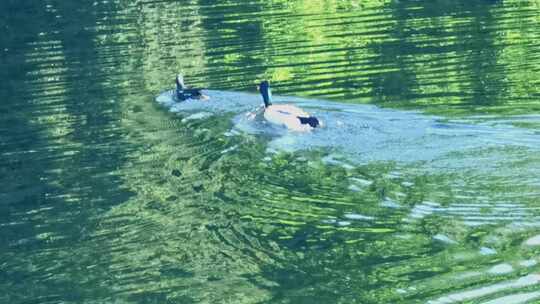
(423, 186)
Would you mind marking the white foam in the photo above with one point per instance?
(529, 280)
(354, 188)
(528, 263)
(534, 241)
(406, 236)
(361, 182)
(347, 166)
(519, 298)
(487, 251)
(197, 116)
(332, 159)
(388, 203)
(229, 149)
(424, 209)
(355, 216)
(443, 238)
(401, 291)
(501, 269)
(231, 133)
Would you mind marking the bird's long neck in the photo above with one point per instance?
(267, 97)
(179, 84)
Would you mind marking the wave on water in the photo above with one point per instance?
(364, 133)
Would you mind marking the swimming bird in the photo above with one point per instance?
(290, 116)
(183, 93)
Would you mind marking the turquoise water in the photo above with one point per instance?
(422, 187)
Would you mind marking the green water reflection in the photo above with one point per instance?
(108, 198)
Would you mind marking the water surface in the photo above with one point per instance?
(423, 186)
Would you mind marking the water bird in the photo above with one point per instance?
(288, 115)
(183, 93)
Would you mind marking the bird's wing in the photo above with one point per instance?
(289, 109)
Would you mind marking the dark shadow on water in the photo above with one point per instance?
(60, 147)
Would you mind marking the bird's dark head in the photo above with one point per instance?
(266, 93)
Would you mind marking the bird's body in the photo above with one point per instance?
(290, 116)
(287, 115)
(182, 93)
